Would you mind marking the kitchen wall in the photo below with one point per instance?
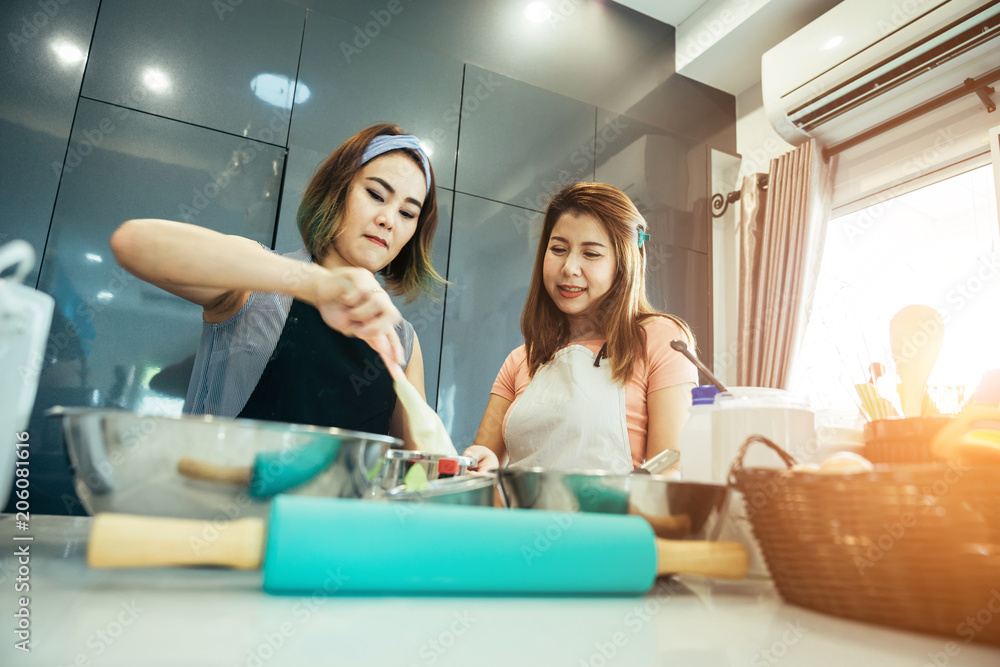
(217, 113)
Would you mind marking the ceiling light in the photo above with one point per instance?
(276, 90)
(537, 12)
(156, 80)
(68, 52)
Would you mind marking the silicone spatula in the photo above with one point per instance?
(915, 335)
(272, 472)
(428, 432)
(371, 549)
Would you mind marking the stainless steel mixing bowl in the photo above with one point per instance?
(476, 490)
(204, 467)
(399, 461)
(675, 509)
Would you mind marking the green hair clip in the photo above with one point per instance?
(643, 237)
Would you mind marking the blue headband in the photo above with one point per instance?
(384, 143)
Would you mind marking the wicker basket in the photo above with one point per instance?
(914, 547)
(903, 440)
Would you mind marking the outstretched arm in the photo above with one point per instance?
(218, 272)
(489, 446)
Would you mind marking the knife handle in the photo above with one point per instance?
(125, 540)
(725, 560)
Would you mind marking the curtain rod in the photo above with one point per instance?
(980, 87)
(721, 202)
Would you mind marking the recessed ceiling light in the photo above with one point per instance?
(155, 80)
(537, 12)
(68, 52)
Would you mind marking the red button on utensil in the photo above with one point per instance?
(447, 467)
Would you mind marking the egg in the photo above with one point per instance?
(845, 463)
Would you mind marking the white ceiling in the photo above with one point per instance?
(720, 42)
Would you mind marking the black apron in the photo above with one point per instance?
(319, 376)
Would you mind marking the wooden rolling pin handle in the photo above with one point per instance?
(125, 540)
(725, 560)
(212, 472)
(672, 527)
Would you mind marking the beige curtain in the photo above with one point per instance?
(782, 229)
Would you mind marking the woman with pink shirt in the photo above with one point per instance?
(596, 386)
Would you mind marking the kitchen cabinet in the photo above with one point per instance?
(229, 66)
(521, 144)
(116, 341)
(88, 617)
(45, 52)
(493, 248)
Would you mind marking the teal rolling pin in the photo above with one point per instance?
(271, 472)
(372, 547)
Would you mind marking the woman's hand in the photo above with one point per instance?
(488, 461)
(352, 302)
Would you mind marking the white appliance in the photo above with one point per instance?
(784, 418)
(25, 316)
(865, 62)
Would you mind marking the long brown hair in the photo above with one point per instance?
(324, 200)
(625, 307)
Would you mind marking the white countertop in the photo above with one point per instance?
(193, 617)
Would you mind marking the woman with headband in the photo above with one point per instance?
(596, 385)
(297, 337)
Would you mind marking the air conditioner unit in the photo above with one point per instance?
(868, 62)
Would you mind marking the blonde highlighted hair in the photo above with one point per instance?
(324, 200)
(625, 307)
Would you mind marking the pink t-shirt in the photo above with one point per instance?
(667, 367)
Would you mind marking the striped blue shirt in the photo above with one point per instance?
(232, 355)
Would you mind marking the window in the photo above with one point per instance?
(938, 246)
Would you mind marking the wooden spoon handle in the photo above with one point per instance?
(212, 472)
(725, 560)
(125, 540)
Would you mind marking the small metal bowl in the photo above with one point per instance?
(203, 467)
(399, 461)
(467, 490)
(675, 509)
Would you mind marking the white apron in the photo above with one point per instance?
(571, 417)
